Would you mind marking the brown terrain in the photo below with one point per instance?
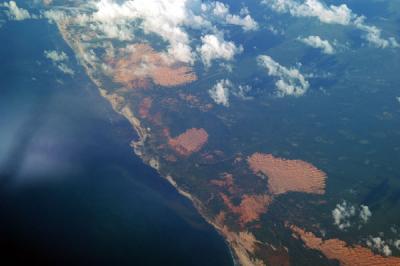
(144, 107)
(288, 175)
(195, 102)
(139, 64)
(225, 182)
(245, 246)
(189, 142)
(346, 255)
(250, 208)
(243, 243)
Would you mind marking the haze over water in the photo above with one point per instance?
(72, 190)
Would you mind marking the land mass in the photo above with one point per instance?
(232, 189)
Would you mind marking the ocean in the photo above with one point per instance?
(72, 192)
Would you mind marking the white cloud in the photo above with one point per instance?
(247, 22)
(397, 244)
(65, 69)
(221, 11)
(169, 19)
(341, 215)
(220, 92)
(215, 47)
(313, 8)
(16, 13)
(164, 18)
(55, 15)
(393, 229)
(365, 213)
(242, 92)
(317, 42)
(59, 59)
(373, 34)
(379, 245)
(332, 14)
(244, 11)
(121, 31)
(56, 56)
(386, 250)
(344, 215)
(275, 30)
(290, 80)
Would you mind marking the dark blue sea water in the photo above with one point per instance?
(71, 190)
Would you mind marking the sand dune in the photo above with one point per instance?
(346, 255)
(251, 207)
(288, 175)
(189, 142)
(139, 64)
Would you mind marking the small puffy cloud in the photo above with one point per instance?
(242, 92)
(215, 47)
(345, 214)
(177, 22)
(55, 15)
(386, 250)
(275, 30)
(221, 11)
(167, 19)
(220, 92)
(393, 229)
(332, 14)
(59, 59)
(317, 42)
(16, 13)
(244, 11)
(164, 18)
(396, 243)
(121, 32)
(385, 245)
(247, 22)
(56, 56)
(290, 80)
(65, 69)
(342, 214)
(374, 35)
(379, 245)
(365, 213)
(313, 8)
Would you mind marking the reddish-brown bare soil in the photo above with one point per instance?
(189, 142)
(144, 107)
(190, 98)
(139, 64)
(225, 182)
(288, 175)
(346, 255)
(250, 208)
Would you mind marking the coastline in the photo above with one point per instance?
(118, 105)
